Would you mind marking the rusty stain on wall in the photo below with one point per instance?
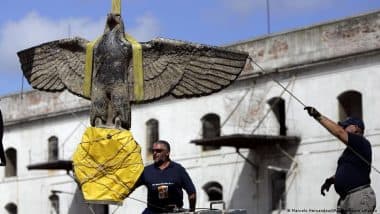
(351, 34)
(314, 44)
(278, 49)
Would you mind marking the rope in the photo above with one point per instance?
(71, 112)
(22, 85)
(235, 108)
(143, 202)
(266, 114)
(115, 210)
(162, 208)
(289, 101)
(256, 108)
(276, 81)
(102, 167)
(90, 208)
(102, 138)
(89, 169)
(299, 101)
(363, 159)
(146, 203)
(269, 110)
(62, 146)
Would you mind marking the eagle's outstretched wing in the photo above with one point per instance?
(185, 69)
(56, 65)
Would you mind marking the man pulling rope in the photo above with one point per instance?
(351, 179)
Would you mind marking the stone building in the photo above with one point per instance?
(251, 145)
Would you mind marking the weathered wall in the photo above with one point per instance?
(35, 105)
(314, 44)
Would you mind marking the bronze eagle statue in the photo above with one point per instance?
(170, 67)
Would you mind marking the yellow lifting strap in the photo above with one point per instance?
(116, 7)
(138, 73)
(88, 68)
(107, 164)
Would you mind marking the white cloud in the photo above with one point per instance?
(35, 29)
(241, 7)
(147, 28)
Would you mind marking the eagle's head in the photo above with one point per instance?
(114, 21)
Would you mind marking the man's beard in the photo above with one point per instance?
(159, 162)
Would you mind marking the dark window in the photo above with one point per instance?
(210, 129)
(54, 200)
(278, 107)
(278, 180)
(152, 134)
(350, 105)
(11, 208)
(105, 209)
(53, 148)
(100, 208)
(11, 167)
(214, 190)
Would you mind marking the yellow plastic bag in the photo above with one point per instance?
(107, 164)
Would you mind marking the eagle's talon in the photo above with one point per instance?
(98, 122)
(117, 123)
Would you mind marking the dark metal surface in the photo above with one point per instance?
(52, 165)
(112, 57)
(247, 141)
(3, 160)
(170, 67)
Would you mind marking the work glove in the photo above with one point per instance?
(313, 112)
(326, 186)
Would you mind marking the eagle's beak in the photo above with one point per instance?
(113, 20)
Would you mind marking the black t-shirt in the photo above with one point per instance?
(165, 186)
(2, 155)
(1, 127)
(352, 171)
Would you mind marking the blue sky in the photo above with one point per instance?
(25, 23)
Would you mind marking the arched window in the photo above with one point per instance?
(350, 105)
(54, 201)
(278, 183)
(214, 190)
(210, 128)
(278, 107)
(11, 167)
(53, 148)
(11, 208)
(152, 133)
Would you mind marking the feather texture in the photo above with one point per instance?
(56, 65)
(174, 67)
(185, 69)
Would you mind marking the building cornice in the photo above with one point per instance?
(318, 44)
